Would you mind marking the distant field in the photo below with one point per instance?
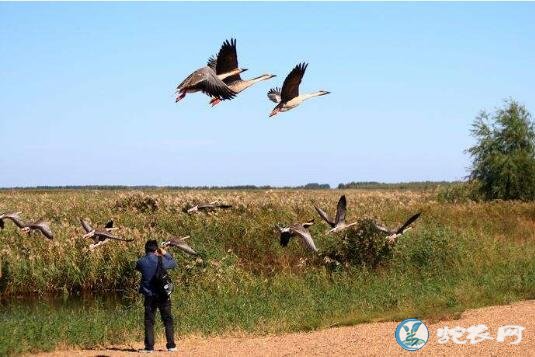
(457, 256)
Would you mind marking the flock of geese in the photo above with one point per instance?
(220, 79)
(337, 225)
(104, 235)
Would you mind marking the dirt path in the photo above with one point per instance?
(373, 339)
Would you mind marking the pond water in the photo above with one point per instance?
(82, 301)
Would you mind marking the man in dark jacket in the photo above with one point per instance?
(153, 300)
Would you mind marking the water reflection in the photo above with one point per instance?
(111, 300)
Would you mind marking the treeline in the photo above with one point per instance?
(308, 186)
(413, 185)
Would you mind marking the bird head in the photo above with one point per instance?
(324, 92)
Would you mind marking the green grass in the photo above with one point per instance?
(458, 256)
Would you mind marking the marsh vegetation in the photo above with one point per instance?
(458, 255)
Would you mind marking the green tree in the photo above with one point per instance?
(504, 154)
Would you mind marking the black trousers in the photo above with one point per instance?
(164, 305)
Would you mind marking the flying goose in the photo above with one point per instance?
(226, 61)
(40, 225)
(299, 229)
(207, 81)
(288, 97)
(207, 207)
(339, 223)
(180, 244)
(394, 234)
(100, 236)
(13, 216)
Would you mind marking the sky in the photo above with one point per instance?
(87, 91)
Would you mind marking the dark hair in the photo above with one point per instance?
(151, 246)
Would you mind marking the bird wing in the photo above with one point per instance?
(213, 86)
(205, 206)
(325, 216)
(183, 246)
(290, 87)
(274, 94)
(108, 235)
(227, 60)
(305, 235)
(2, 225)
(383, 228)
(223, 205)
(341, 210)
(44, 228)
(15, 219)
(109, 224)
(212, 62)
(87, 227)
(192, 79)
(404, 227)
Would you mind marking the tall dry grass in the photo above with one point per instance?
(457, 256)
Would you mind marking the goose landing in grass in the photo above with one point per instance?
(40, 226)
(100, 236)
(339, 223)
(394, 234)
(226, 61)
(288, 97)
(180, 244)
(300, 230)
(207, 207)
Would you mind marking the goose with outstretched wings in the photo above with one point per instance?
(300, 230)
(339, 222)
(394, 234)
(100, 236)
(288, 96)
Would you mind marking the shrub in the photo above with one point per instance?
(137, 202)
(362, 245)
(460, 192)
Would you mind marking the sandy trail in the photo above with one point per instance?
(372, 339)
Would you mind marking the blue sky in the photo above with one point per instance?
(86, 90)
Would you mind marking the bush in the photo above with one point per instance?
(362, 245)
(504, 155)
(137, 202)
(460, 192)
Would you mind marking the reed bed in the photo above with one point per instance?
(457, 256)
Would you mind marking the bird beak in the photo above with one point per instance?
(244, 69)
(325, 92)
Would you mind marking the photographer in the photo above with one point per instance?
(155, 296)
